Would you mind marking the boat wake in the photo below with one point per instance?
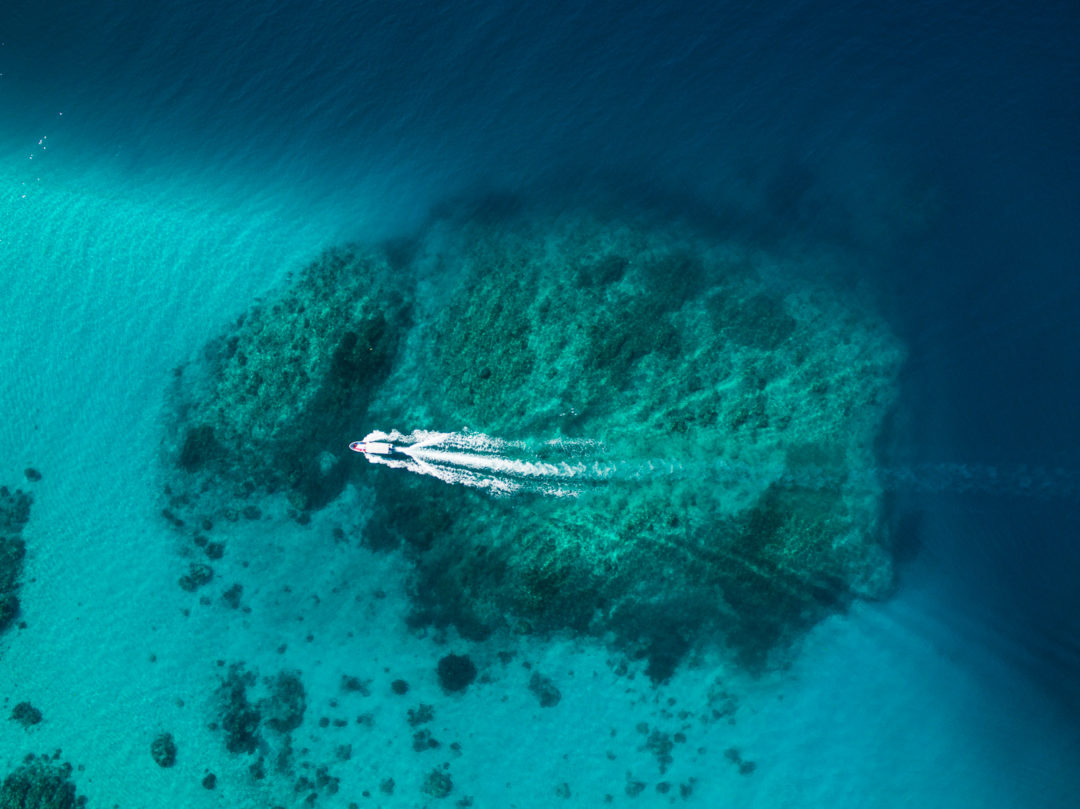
(494, 464)
(566, 467)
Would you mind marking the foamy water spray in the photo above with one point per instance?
(566, 467)
(485, 462)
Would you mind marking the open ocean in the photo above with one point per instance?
(163, 166)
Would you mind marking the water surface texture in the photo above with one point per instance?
(715, 371)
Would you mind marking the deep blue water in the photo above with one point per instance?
(940, 142)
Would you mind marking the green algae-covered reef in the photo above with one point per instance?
(665, 346)
(40, 782)
(14, 514)
(739, 398)
(279, 390)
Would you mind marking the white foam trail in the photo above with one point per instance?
(506, 467)
(479, 460)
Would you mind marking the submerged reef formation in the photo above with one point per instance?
(163, 750)
(258, 716)
(731, 396)
(280, 708)
(14, 514)
(39, 783)
(26, 714)
(675, 351)
(266, 408)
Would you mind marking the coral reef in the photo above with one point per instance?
(280, 708)
(670, 348)
(163, 750)
(14, 509)
(198, 574)
(267, 407)
(26, 714)
(437, 784)
(420, 715)
(40, 784)
(545, 690)
(456, 672)
(283, 709)
(14, 514)
(733, 395)
(239, 717)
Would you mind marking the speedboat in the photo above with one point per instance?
(375, 448)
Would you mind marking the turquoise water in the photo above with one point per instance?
(161, 175)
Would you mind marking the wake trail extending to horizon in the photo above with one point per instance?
(565, 467)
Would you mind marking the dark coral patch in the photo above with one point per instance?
(668, 347)
(26, 714)
(456, 672)
(14, 515)
(163, 750)
(268, 405)
(39, 782)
